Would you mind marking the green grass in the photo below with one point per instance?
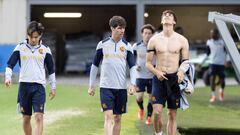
(201, 114)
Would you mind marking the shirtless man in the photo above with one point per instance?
(171, 50)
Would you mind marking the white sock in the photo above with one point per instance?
(159, 133)
(213, 93)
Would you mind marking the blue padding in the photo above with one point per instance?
(5, 52)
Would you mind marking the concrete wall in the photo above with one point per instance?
(13, 21)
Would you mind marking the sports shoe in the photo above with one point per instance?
(212, 99)
(148, 121)
(140, 114)
(221, 94)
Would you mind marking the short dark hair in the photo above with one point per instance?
(170, 12)
(35, 26)
(215, 34)
(148, 26)
(215, 31)
(117, 21)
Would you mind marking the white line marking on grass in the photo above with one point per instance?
(52, 116)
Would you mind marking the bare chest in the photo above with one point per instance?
(172, 46)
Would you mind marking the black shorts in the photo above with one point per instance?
(31, 96)
(114, 99)
(166, 90)
(217, 70)
(144, 84)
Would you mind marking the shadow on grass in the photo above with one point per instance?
(230, 103)
(143, 128)
(208, 131)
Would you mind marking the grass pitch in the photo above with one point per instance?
(73, 112)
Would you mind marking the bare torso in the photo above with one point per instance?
(168, 51)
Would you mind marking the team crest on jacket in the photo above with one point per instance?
(123, 108)
(177, 102)
(154, 99)
(122, 48)
(41, 107)
(40, 51)
(22, 110)
(24, 57)
(104, 106)
(24, 50)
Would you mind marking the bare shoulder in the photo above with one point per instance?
(182, 39)
(153, 41)
(156, 37)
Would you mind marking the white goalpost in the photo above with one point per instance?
(221, 21)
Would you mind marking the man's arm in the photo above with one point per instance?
(131, 63)
(208, 52)
(184, 65)
(94, 69)
(149, 57)
(135, 51)
(137, 67)
(51, 72)
(14, 58)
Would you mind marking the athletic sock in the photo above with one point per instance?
(159, 133)
(149, 109)
(213, 93)
(140, 104)
(221, 89)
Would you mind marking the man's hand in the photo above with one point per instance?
(8, 83)
(138, 68)
(161, 75)
(137, 89)
(131, 89)
(91, 91)
(180, 75)
(198, 67)
(52, 94)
